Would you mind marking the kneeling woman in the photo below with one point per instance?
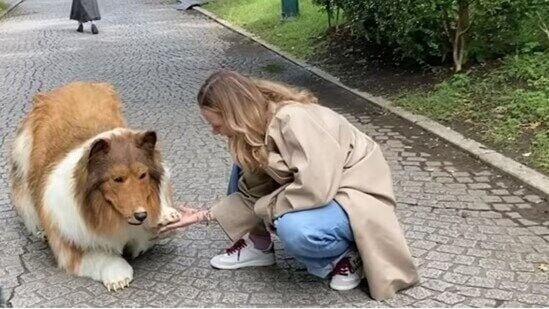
(305, 173)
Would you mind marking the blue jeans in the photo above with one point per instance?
(316, 237)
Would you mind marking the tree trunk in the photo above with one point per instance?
(329, 12)
(543, 26)
(337, 18)
(463, 24)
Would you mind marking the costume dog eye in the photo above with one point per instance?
(142, 176)
(119, 179)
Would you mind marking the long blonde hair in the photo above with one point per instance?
(246, 107)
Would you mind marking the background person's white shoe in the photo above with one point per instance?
(347, 273)
(243, 254)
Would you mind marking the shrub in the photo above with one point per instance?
(434, 31)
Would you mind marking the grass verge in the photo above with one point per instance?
(507, 107)
(3, 6)
(262, 17)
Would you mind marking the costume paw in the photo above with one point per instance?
(117, 275)
(41, 235)
(118, 285)
(168, 215)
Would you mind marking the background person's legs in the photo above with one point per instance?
(94, 29)
(84, 11)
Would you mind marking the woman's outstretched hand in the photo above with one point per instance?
(188, 217)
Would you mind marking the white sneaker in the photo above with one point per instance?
(243, 254)
(347, 273)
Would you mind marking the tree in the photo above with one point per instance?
(457, 28)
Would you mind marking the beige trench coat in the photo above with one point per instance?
(315, 156)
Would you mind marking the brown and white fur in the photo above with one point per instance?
(94, 187)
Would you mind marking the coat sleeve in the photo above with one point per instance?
(235, 212)
(235, 215)
(313, 156)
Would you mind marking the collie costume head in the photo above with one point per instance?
(119, 181)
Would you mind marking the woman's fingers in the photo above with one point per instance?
(185, 220)
(170, 229)
(175, 225)
(187, 210)
(188, 216)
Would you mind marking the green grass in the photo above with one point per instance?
(262, 17)
(3, 6)
(507, 107)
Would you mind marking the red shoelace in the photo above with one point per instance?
(236, 247)
(343, 267)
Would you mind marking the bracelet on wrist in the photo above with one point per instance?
(206, 216)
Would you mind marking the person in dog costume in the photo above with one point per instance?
(305, 173)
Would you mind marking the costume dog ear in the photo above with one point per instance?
(99, 146)
(147, 141)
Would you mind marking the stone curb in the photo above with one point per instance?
(493, 158)
(13, 6)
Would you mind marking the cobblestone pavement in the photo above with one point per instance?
(478, 237)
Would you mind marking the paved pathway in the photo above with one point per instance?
(477, 236)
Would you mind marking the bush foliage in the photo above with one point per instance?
(436, 31)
